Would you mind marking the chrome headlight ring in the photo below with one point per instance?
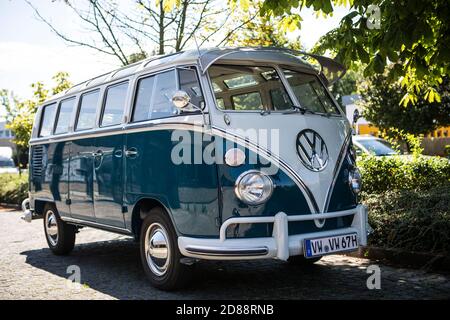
(253, 187)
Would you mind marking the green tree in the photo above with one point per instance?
(258, 30)
(347, 85)
(20, 113)
(381, 105)
(412, 35)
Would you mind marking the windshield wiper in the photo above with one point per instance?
(299, 109)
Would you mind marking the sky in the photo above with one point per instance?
(30, 52)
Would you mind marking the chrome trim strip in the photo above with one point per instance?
(96, 225)
(337, 169)
(288, 170)
(137, 127)
(227, 252)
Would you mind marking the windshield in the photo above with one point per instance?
(310, 92)
(6, 163)
(378, 147)
(245, 88)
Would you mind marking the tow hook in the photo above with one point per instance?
(27, 214)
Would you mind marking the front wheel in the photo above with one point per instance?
(160, 254)
(60, 236)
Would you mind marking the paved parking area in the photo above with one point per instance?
(110, 269)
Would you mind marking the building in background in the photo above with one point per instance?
(6, 136)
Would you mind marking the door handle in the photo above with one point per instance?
(131, 153)
(118, 153)
(98, 153)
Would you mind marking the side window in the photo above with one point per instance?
(63, 117)
(247, 101)
(114, 104)
(189, 83)
(165, 87)
(48, 117)
(88, 107)
(154, 97)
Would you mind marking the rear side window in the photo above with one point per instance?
(114, 104)
(64, 113)
(48, 117)
(247, 101)
(88, 107)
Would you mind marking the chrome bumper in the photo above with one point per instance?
(279, 246)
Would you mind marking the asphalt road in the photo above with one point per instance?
(110, 269)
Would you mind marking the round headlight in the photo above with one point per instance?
(253, 187)
(355, 181)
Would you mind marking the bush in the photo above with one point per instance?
(13, 188)
(381, 174)
(414, 220)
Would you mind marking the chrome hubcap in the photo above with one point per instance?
(157, 249)
(51, 227)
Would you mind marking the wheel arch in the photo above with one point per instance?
(39, 205)
(142, 208)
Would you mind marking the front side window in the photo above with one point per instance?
(63, 120)
(154, 97)
(88, 108)
(189, 83)
(310, 92)
(246, 88)
(114, 104)
(48, 116)
(154, 93)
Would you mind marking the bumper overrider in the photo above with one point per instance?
(279, 246)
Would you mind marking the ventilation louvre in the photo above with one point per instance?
(36, 162)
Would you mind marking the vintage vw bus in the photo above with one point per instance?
(221, 154)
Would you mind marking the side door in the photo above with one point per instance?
(81, 169)
(108, 159)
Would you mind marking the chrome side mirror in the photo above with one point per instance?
(181, 100)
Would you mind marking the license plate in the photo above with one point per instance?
(322, 246)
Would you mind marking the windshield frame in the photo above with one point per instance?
(279, 70)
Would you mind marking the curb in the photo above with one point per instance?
(402, 258)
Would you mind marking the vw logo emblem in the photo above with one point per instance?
(312, 150)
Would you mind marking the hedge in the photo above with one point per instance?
(13, 188)
(403, 173)
(409, 202)
(413, 220)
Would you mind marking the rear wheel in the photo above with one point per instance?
(302, 261)
(160, 254)
(60, 236)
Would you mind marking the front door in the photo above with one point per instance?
(108, 180)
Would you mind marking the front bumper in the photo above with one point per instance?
(280, 246)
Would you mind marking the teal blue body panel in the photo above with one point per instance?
(198, 197)
(109, 182)
(189, 191)
(81, 179)
(287, 198)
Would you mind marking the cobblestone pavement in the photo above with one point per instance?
(110, 269)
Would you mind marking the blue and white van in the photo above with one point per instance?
(219, 154)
